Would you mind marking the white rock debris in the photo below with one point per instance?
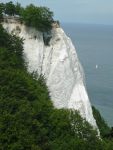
(59, 64)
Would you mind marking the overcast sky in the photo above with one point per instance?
(79, 11)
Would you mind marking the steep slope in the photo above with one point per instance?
(59, 63)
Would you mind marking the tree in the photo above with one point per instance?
(102, 125)
(68, 129)
(1, 11)
(39, 17)
(18, 9)
(10, 8)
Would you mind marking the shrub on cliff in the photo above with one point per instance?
(39, 17)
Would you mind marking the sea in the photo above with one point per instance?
(94, 46)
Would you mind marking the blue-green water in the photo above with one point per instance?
(94, 45)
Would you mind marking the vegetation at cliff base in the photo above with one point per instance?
(103, 127)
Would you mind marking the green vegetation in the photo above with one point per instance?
(28, 120)
(9, 8)
(1, 11)
(40, 18)
(103, 127)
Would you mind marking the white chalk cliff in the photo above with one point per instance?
(59, 64)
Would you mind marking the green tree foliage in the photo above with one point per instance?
(108, 144)
(1, 11)
(18, 9)
(38, 17)
(23, 99)
(103, 127)
(11, 50)
(10, 8)
(69, 130)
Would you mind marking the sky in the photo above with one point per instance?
(77, 11)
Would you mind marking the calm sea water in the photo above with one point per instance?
(94, 45)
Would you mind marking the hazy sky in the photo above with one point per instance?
(80, 11)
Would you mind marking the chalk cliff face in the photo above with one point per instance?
(60, 65)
